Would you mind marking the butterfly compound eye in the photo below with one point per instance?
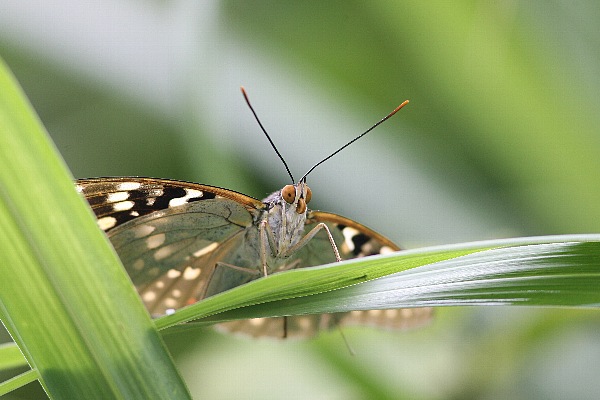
(301, 207)
(288, 193)
(308, 195)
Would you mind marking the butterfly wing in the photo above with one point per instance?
(170, 235)
(356, 241)
(353, 240)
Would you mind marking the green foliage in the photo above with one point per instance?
(503, 123)
(65, 298)
(66, 301)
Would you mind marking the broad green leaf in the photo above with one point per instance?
(65, 299)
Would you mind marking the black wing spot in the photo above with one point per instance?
(359, 240)
(146, 200)
(122, 217)
(205, 196)
(169, 193)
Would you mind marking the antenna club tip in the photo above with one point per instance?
(405, 102)
(245, 95)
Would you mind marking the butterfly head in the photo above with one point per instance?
(290, 201)
(287, 210)
(297, 196)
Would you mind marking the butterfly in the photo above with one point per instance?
(181, 242)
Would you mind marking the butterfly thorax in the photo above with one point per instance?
(286, 216)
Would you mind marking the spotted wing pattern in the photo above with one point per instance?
(181, 242)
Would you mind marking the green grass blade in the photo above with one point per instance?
(18, 381)
(304, 282)
(65, 299)
(11, 357)
(542, 271)
(556, 274)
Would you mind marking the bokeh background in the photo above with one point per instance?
(501, 138)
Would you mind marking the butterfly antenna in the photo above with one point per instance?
(405, 102)
(266, 134)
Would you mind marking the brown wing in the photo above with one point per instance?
(171, 234)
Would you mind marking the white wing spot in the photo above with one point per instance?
(257, 321)
(138, 264)
(159, 284)
(106, 223)
(189, 274)
(142, 230)
(123, 205)
(375, 313)
(170, 303)
(134, 213)
(156, 192)
(150, 201)
(164, 252)
(173, 273)
(189, 194)
(117, 196)
(170, 311)
(125, 186)
(156, 240)
(79, 188)
(206, 250)
(303, 322)
(349, 233)
(176, 293)
(149, 296)
(386, 250)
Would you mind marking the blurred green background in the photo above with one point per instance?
(501, 138)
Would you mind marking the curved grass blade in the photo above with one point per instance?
(18, 381)
(541, 271)
(65, 299)
(11, 357)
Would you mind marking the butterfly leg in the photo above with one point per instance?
(294, 264)
(309, 236)
(243, 269)
(209, 290)
(267, 238)
(303, 242)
